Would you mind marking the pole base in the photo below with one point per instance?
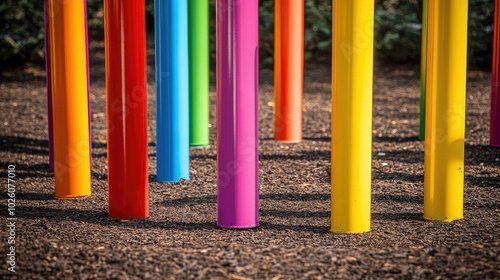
(238, 227)
(348, 232)
(159, 180)
(495, 145)
(199, 146)
(127, 219)
(444, 220)
(289, 141)
(73, 197)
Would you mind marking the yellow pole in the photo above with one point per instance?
(352, 115)
(445, 124)
(70, 99)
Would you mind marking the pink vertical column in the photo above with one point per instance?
(88, 77)
(495, 84)
(49, 86)
(237, 114)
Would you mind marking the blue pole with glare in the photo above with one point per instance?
(172, 90)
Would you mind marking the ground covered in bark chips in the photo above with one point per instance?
(75, 239)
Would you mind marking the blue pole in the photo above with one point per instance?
(172, 90)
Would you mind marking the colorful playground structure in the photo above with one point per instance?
(495, 84)
(352, 115)
(68, 92)
(445, 110)
(126, 107)
(288, 70)
(237, 113)
(172, 90)
(182, 83)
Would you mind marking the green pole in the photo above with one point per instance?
(199, 68)
(423, 69)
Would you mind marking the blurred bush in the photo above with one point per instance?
(481, 17)
(21, 31)
(397, 30)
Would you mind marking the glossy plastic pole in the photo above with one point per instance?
(126, 102)
(237, 114)
(423, 68)
(49, 86)
(288, 70)
(69, 98)
(172, 90)
(88, 78)
(445, 122)
(495, 85)
(352, 115)
(199, 73)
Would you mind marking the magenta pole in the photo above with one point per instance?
(237, 112)
(88, 78)
(49, 87)
(495, 85)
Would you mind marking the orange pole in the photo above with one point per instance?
(70, 98)
(288, 70)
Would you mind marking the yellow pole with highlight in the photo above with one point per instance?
(445, 120)
(70, 98)
(352, 115)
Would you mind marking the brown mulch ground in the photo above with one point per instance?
(75, 239)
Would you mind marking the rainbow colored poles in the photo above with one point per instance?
(49, 86)
(288, 70)
(352, 115)
(126, 101)
(423, 68)
(69, 98)
(237, 112)
(495, 85)
(199, 73)
(172, 90)
(445, 122)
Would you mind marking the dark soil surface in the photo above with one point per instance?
(75, 239)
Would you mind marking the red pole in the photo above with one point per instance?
(495, 85)
(126, 94)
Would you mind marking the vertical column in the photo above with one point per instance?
(49, 83)
(237, 114)
(288, 70)
(172, 90)
(445, 122)
(423, 68)
(199, 73)
(495, 85)
(88, 79)
(126, 103)
(352, 115)
(69, 98)
(49, 86)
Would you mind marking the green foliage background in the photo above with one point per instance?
(397, 30)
